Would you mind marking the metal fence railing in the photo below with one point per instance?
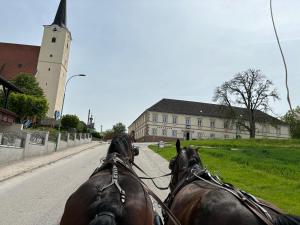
(18, 139)
(64, 136)
(13, 139)
(72, 136)
(38, 138)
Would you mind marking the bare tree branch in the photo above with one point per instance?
(250, 89)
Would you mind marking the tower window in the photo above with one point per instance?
(54, 29)
(53, 39)
(49, 69)
(51, 55)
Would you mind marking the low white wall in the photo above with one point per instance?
(71, 143)
(51, 146)
(62, 145)
(10, 154)
(37, 150)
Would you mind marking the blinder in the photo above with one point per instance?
(136, 150)
(172, 164)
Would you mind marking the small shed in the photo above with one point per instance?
(7, 117)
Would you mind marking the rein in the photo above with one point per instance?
(117, 161)
(152, 178)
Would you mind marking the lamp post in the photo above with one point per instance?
(62, 107)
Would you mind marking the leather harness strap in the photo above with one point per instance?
(116, 160)
(249, 204)
(114, 181)
(152, 178)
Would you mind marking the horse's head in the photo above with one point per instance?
(183, 162)
(122, 145)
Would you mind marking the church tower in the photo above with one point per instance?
(53, 60)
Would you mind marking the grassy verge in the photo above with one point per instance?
(269, 169)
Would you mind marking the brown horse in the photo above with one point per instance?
(197, 197)
(113, 195)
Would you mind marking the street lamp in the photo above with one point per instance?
(62, 107)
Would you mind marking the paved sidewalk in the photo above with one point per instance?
(20, 167)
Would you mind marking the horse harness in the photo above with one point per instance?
(115, 161)
(115, 180)
(252, 203)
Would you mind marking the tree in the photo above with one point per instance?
(81, 127)
(250, 89)
(31, 104)
(293, 121)
(28, 106)
(70, 122)
(108, 134)
(28, 84)
(119, 128)
(97, 135)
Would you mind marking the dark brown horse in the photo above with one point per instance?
(197, 197)
(113, 195)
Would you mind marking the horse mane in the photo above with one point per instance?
(115, 143)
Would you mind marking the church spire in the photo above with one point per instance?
(61, 15)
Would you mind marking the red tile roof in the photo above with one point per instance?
(16, 58)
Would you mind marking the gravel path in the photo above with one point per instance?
(154, 165)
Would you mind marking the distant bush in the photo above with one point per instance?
(69, 122)
(97, 135)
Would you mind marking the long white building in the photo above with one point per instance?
(171, 119)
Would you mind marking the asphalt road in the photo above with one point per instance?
(38, 198)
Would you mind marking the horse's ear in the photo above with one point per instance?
(178, 149)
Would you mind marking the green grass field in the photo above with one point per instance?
(269, 169)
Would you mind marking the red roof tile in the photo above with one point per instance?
(16, 58)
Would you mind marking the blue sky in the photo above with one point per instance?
(136, 52)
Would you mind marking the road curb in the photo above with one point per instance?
(48, 163)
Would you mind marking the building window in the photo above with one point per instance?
(199, 122)
(49, 69)
(200, 135)
(212, 136)
(188, 121)
(164, 132)
(165, 118)
(53, 39)
(226, 136)
(212, 124)
(174, 119)
(51, 55)
(174, 133)
(238, 127)
(278, 131)
(226, 124)
(154, 118)
(20, 65)
(154, 131)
